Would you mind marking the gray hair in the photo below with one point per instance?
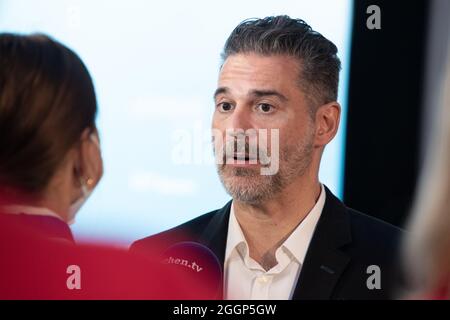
(282, 35)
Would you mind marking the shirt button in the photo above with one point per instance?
(263, 279)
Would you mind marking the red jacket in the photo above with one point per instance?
(40, 261)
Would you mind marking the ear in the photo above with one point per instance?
(327, 123)
(89, 164)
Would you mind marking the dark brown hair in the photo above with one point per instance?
(282, 35)
(47, 100)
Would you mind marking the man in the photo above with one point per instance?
(284, 235)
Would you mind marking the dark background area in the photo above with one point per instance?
(383, 137)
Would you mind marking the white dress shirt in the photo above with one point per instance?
(245, 279)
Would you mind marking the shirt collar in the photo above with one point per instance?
(35, 211)
(235, 239)
(298, 241)
(296, 244)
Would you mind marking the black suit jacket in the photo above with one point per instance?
(345, 243)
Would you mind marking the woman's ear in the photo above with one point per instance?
(89, 167)
(327, 123)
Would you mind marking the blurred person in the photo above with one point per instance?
(50, 158)
(50, 161)
(284, 235)
(427, 246)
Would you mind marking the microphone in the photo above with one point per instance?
(197, 264)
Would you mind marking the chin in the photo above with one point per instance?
(248, 189)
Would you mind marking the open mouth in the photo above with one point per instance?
(244, 158)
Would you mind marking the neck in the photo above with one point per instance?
(268, 224)
(11, 196)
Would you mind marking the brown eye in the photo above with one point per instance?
(265, 107)
(225, 107)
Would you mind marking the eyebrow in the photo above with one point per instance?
(220, 90)
(256, 93)
(264, 93)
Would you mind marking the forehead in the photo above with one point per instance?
(253, 70)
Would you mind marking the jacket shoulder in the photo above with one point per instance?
(374, 243)
(368, 226)
(372, 237)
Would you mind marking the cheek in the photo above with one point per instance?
(295, 135)
(218, 138)
(214, 121)
(216, 126)
(289, 133)
(219, 121)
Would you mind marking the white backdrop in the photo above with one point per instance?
(155, 64)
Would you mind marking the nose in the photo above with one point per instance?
(240, 119)
(240, 128)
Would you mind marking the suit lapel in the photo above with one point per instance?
(324, 261)
(215, 237)
(215, 234)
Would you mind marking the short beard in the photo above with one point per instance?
(247, 185)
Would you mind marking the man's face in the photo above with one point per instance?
(262, 92)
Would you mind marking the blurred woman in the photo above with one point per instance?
(427, 248)
(50, 162)
(50, 157)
